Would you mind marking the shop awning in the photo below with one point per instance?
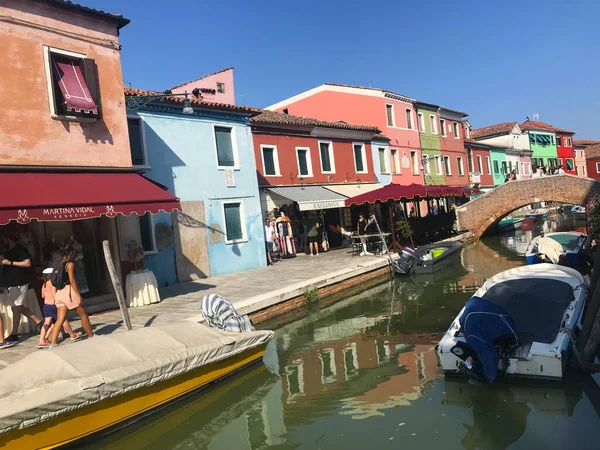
(398, 192)
(353, 190)
(52, 196)
(73, 86)
(310, 198)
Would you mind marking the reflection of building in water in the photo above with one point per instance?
(483, 260)
(470, 282)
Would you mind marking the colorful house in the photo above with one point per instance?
(580, 158)
(542, 142)
(592, 155)
(217, 87)
(479, 164)
(565, 150)
(435, 166)
(392, 113)
(453, 129)
(206, 158)
(499, 164)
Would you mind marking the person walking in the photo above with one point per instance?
(312, 225)
(67, 296)
(269, 237)
(16, 275)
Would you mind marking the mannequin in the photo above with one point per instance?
(286, 236)
(135, 254)
(79, 268)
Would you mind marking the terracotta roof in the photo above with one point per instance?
(277, 118)
(593, 151)
(493, 130)
(380, 137)
(194, 101)
(117, 19)
(561, 131)
(202, 78)
(370, 89)
(584, 143)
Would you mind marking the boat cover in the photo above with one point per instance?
(49, 383)
(483, 322)
(550, 248)
(220, 313)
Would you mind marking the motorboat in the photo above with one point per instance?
(57, 397)
(507, 225)
(428, 258)
(578, 212)
(518, 324)
(565, 248)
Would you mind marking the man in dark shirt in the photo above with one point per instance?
(16, 276)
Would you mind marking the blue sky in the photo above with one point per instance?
(497, 61)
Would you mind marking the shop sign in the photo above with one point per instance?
(322, 205)
(71, 213)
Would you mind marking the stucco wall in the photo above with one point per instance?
(210, 82)
(381, 177)
(543, 151)
(485, 174)
(454, 148)
(29, 135)
(499, 156)
(182, 155)
(565, 152)
(430, 146)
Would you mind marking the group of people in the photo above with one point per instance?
(60, 293)
(279, 236)
(537, 172)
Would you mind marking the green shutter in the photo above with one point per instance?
(224, 147)
(325, 160)
(233, 221)
(135, 142)
(269, 160)
(358, 159)
(303, 162)
(496, 168)
(382, 164)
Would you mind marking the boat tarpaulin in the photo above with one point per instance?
(483, 322)
(397, 192)
(65, 196)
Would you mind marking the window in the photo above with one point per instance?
(504, 167)
(522, 168)
(570, 163)
(328, 369)
(304, 162)
(421, 122)
(568, 142)
(583, 167)
(559, 140)
(147, 233)
(270, 161)
(234, 227)
(415, 162)
(479, 166)
(383, 160)
(509, 166)
(433, 124)
(326, 155)
(426, 169)
(516, 168)
(496, 169)
(136, 141)
(224, 143)
(489, 167)
(438, 165)
(447, 165)
(360, 158)
(390, 115)
(582, 155)
(221, 88)
(443, 127)
(409, 123)
(467, 132)
(456, 130)
(72, 82)
(461, 169)
(552, 139)
(598, 167)
(395, 159)
(576, 170)
(470, 161)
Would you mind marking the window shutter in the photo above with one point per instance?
(224, 147)
(90, 72)
(302, 162)
(233, 221)
(358, 158)
(269, 161)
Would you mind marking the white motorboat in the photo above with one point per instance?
(564, 248)
(519, 323)
(578, 212)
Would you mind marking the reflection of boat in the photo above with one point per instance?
(109, 380)
(578, 212)
(568, 252)
(506, 225)
(528, 313)
(428, 258)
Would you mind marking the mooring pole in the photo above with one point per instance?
(116, 285)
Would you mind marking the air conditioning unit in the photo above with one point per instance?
(405, 162)
(475, 177)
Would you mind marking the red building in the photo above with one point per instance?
(592, 161)
(452, 145)
(565, 150)
(479, 164)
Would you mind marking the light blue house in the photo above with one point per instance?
(383, 162)
(207, 160)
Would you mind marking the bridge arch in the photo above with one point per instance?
(484, 212)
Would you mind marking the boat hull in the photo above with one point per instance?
(421, 266)
(109, 413)
(511, 225)
(573, 258)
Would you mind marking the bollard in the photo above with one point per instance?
(116, 285)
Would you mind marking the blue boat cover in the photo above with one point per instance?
(482, 323)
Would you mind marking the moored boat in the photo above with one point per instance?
(507, 225)
(565, 248)
(519, 323)
(59, 396)
(578, 212)
(428, 258)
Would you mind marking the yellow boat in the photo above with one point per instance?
(57, 397)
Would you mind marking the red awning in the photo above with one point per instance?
(73, 86)
(74, 196)
(398, 192)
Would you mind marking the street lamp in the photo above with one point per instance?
(135, 102)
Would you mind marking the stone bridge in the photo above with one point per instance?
(484, 212)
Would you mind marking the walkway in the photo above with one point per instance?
(249, 291)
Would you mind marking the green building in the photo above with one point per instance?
(499, 165)
(433, 167)
(542, 142)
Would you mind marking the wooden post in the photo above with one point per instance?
(116, 285)
(591, 307)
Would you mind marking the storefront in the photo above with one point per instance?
(47, 209)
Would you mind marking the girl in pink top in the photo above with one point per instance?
(48, 293)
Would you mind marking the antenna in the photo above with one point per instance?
(536, 116)
(370, 83)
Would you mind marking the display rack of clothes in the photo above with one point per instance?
(286, 236)
(80, 277)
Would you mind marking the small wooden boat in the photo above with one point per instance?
(59, 396)
(428, 258)
(507, 225)
(564, 248)
(519, 323)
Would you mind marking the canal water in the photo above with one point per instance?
(362, 373)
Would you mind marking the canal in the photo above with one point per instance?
(361, 373)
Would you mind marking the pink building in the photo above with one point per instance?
(216, 87)
(392, 113)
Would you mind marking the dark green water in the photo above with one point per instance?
(362, 374)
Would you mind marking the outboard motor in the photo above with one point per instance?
(409, 259)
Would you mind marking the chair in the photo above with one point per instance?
(356, 245)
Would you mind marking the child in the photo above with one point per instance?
(48, 292)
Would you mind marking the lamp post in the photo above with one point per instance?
(135, 102)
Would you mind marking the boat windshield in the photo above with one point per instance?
(568, 241)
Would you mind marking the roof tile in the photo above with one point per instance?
(492, 130)
(593, 151)
(277, 118)
(118, 19)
